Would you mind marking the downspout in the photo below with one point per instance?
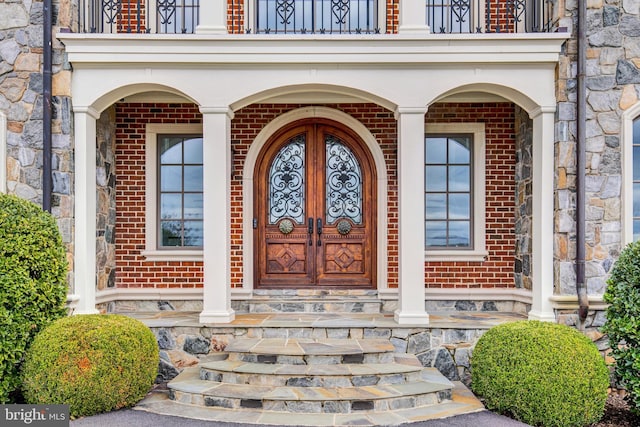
(47, 184)
(581, 288)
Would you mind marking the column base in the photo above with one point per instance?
(85, 311)
(217, 316)
(542, 316)
(406, 318)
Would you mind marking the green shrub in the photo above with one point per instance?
(33, 288)
(540, 373)
(623, 321)
(94, 363)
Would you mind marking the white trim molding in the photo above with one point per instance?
(479, 250)
(151, 251)
(628, 117)
(250, 165)
(3, 153)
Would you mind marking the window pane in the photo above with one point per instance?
(459, 178)
(636, 230)
(636, 199)
(459, 233)
(436, 150)
(459, 150)
(193, 233)
(193, 150)
(193, 178)
(436, 233)
(171, 206)
(171, 178)
(636, 132)
(459, 206)
(170, 233)
(636, 163)
(170, 150)
(436, 178)
(436, 206)
(193, 206)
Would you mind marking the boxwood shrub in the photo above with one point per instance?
(540, 373)
(623, 321)
(94, 363)
(33, 287)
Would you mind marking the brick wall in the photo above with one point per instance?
(246, 125)
(498, 269)
(134, 271)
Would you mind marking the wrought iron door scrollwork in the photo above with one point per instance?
(286, 182)
(343, 182)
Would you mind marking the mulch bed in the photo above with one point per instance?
(617, 413)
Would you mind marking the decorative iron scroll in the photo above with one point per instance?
(286, 182)
(166, 11)
(344, 183)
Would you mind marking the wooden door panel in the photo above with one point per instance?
(344, 257)
(286, 257)
(315, 252)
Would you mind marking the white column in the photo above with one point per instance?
(217, 226)
(542, 239)
(411, 305)
(84, 256)
(213, 17)
(413, 17)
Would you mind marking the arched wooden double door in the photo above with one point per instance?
(315, 209)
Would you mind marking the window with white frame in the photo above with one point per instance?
(180, 191)
(174, 192)
(454, 191)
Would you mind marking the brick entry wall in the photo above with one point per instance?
(134, 271)
(497, 271)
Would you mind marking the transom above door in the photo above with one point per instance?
(315, 209)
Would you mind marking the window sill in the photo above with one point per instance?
(473, 256)
(173, 255)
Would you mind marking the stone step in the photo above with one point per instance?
(342, 375)
(307, 351)
(313, 305)
(190, 389)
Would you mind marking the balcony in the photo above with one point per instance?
(316, 16)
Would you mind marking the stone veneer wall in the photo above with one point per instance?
(21, 47)
(524, 199)
(613, 85)
(106, 199)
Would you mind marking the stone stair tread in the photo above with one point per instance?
(309, 346)
(310, 370)
(188, 382)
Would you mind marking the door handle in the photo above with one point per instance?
(310, 230)
(319, 228)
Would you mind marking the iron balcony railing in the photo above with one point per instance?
(317, 16)
(491, 16)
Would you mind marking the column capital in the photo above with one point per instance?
(218, 110)
(410, 110)
(86, 109)
(542, 109)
